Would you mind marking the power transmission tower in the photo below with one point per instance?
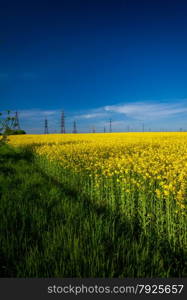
(143, 128)
(62, 122)
(46, 131)
(110, 125)
(93, 130)
(104, 129)
(16, 124)
(128, 128)
(74, 127)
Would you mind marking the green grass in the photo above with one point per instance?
(48, 228)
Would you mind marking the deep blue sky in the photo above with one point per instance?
(96, 60)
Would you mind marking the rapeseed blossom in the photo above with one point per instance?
(155, 162)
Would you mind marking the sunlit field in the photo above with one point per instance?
(153, 166)
(115, 205)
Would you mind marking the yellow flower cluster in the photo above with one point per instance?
(155, 162)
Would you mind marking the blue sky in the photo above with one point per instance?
(125, 60)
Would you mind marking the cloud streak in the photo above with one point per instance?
(147, 111)
(91, 115)
(37, 113)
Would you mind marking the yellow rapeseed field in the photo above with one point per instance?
(155, 162)
(98, 204)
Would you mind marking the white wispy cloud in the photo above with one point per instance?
(37, 113)
(144, 110)
(91, 115)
